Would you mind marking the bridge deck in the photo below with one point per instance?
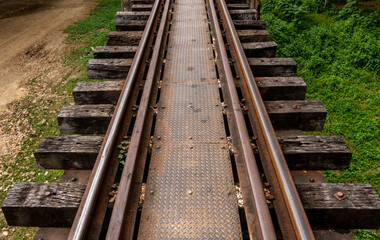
(190, 190)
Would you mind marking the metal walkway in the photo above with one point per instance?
(190, 190)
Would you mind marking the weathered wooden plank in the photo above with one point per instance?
(85, 119)
(316, 152)
(130, 25)
(27, 204)
(235, 6)
(124, 38)
(42, 204)
(301, 152)
(359, 207)
(260, 49)
(253, 35)
(297, 114)
(261, 67)
(128, 16)
(70, 152)
(97, 92)
(141, 7)
(273, 67)
(281, 88)
(94, 119)
(243, 14)
(250, 24)
(253, 49)
(115, 51)
(108, 68)
(123, 24)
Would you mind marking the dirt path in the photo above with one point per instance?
(30, 36)
(32, 44)
(32, 47)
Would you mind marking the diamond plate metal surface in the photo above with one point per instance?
(190, 190)
(187, 117)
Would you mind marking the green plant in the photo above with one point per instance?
(123, 146)
(338, 55)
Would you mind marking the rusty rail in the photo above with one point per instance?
(299, 223)
(119, 210)
(263, 216)
(83, 216)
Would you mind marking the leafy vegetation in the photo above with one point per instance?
(338, 55)
(123, 146)
(36, 115)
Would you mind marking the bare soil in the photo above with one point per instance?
(32, 45)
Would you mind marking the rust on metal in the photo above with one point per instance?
(262, 220)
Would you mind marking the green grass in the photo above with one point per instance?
(338, 56)
(36, 116)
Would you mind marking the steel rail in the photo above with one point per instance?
(119, 210)
(294, 206)
(80, 229)
(261, 207)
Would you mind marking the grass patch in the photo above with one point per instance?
(339, 58)
(35, 116)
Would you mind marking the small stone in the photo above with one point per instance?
(340, 194)
(74, 179)
(311, 180)
(47, 193)
(151, 192)
(5, 233)
(190, 192)
(157, 147)
(191, 147)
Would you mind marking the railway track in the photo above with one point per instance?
(212, 126)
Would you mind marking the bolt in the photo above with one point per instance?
(158, 137)
(190, 137)
(191, 147)
(223, 147)
(151, 192)
(190, 192)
